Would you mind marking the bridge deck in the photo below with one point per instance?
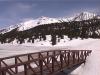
(68, 67)
(42, 63)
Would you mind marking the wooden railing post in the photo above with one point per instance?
(85, 55)
(29, 59)
(82, 56)
(65, 57)
(0, 68)
(2, 72)
(47, 57)
(89, 52)
(53, 61)
(73, 57)
(16, 68)
(25, 69)
(68, 57)
(40, 64)
(61, 60)
(78, 56)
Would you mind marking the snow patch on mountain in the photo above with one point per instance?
(46, 20)
(8, 29)
(84, 16)
(33, 23)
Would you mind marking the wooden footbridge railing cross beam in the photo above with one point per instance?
(42, 63)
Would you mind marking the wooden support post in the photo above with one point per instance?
(25, 69)
(41, 64)
(41, 67)
(52, 64)
(53, 61)
(28, 60)
(47, 57)
(61, 61)
(65, 54)
(85, 55)
(88, 53)
(82, 55)
(3, 73)
(65, 57)
(0, 68)
(78, 56)
(28, 57)
(68, 58)
(16, 68)
(73, 57)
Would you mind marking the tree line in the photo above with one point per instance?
(83, 29)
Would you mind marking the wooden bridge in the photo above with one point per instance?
(42, 63)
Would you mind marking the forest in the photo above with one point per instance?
(74, 29)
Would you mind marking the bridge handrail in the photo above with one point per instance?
(20, 55)
(54, 53)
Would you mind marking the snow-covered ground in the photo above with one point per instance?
(93, 62)
(90, 68)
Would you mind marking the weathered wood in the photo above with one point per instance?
(0, 68)
(25, 70)
(41, 64)
(61, 61)
(16, 68)
(32, 69)
(8, 69)
(68, 58)
(47, 58)
(46, 62)
(53, 61)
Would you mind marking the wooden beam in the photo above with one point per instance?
(25, 70)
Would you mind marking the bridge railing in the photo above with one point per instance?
(42, 63)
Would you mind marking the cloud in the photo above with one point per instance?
(15, 12)
(23, 7)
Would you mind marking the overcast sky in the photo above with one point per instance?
(15, 11)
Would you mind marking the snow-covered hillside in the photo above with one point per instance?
(84, 16)
(32, 23)
(46, 20)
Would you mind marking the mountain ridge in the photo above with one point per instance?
(46, 20)
(56, 31)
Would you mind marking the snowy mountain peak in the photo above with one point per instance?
(30, 23)
(39, 21)
(84, 16)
